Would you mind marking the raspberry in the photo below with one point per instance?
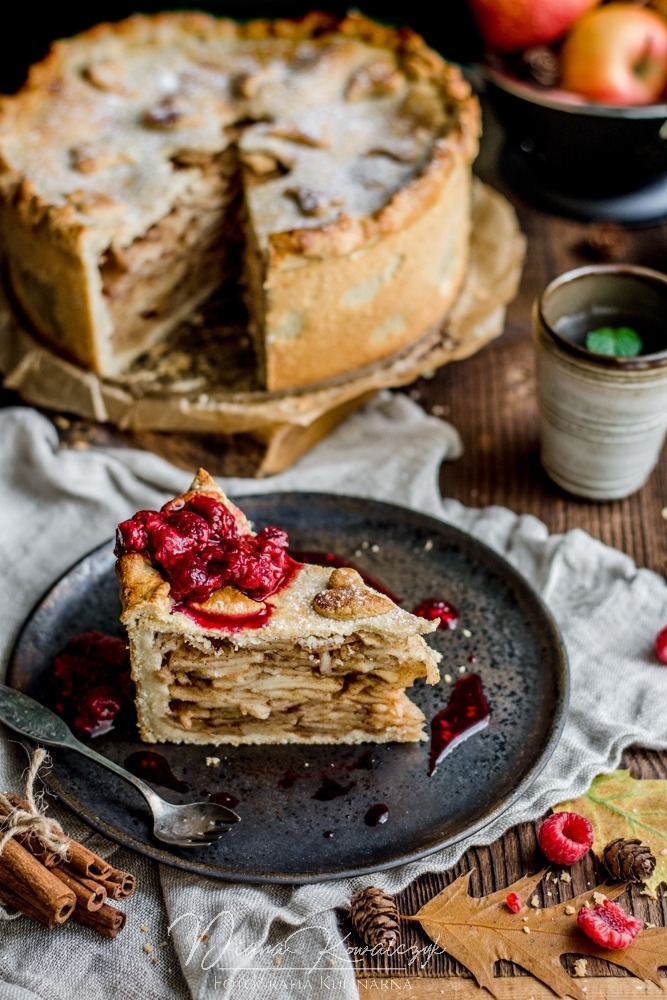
(608, 925)
(661, 645)
(91, 682)
(565, 837)
(219, 519)
(513, 901)
(275, 535)
(196, 545)
(131, 536)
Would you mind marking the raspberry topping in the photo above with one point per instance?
(196, 545)
(92, 683)
(513, 902)
(608, 925)
(565, 837)
(661, 645)
(437, 607)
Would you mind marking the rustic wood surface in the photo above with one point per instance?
(490, 398)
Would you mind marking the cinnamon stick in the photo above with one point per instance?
(83, 861)
(29, 840)
(89, 894)
(119, 884)
(107, 920)
(25, 876)
(24, 906)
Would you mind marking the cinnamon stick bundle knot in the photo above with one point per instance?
(28, 819)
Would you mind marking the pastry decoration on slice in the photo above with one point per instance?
(233, 641)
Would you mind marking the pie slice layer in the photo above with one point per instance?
(234, 642)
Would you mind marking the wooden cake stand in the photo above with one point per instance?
(201, 380)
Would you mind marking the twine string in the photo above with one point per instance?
(32, 820)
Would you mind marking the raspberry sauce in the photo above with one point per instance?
(377, 814)
(226, 623)
(437, 607)
(224, 799)
(154, 767)
(330, 789)
(466, 713)
(317, 558)
(91, 685)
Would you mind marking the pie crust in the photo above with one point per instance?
(142, 160)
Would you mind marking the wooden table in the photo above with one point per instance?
(490, 398)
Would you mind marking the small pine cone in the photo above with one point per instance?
(628, 860)
(375, 918)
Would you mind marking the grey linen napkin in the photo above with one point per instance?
(279, 942)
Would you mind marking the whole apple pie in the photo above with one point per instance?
(142, 160)
(232, 641)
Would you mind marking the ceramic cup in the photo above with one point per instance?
(602, 419)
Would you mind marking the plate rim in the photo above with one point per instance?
(514, 579)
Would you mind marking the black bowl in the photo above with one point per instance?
(591, 161)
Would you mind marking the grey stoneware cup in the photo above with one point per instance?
(602, 419)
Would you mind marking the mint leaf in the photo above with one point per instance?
(628, 343)
(619, 342)
(602, 341)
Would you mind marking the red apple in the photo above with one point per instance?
(508, 25)
(616, 54)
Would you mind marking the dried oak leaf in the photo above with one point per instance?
(479, 931)
(620, 806)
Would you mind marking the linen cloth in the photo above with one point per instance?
(281, 942)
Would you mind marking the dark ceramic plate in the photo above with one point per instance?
(281, 838)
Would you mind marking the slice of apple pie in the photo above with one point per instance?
(233, 641)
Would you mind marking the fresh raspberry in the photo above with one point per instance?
(565, 837)
(661, 645)
(513, 902)
(608, 925)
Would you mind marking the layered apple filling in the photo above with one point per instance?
(312, 690)
(179, 261)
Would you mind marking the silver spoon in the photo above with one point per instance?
(193, 825)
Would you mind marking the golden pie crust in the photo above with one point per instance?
(142, 159)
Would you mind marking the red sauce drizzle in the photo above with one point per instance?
(154, 767)
(226, 623)
(466, 713)
(377, 814)
(331, 559)
(437, 607)
(330, 789)
(224, 799)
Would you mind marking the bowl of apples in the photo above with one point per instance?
(580, 87)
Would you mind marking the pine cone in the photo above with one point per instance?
(628, 860)
(375, 917)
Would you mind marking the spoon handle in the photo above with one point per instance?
(26, 716)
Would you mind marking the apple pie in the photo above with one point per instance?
(142, 160)
(232, 641)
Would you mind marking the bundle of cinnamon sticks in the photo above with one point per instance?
(49, 890)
